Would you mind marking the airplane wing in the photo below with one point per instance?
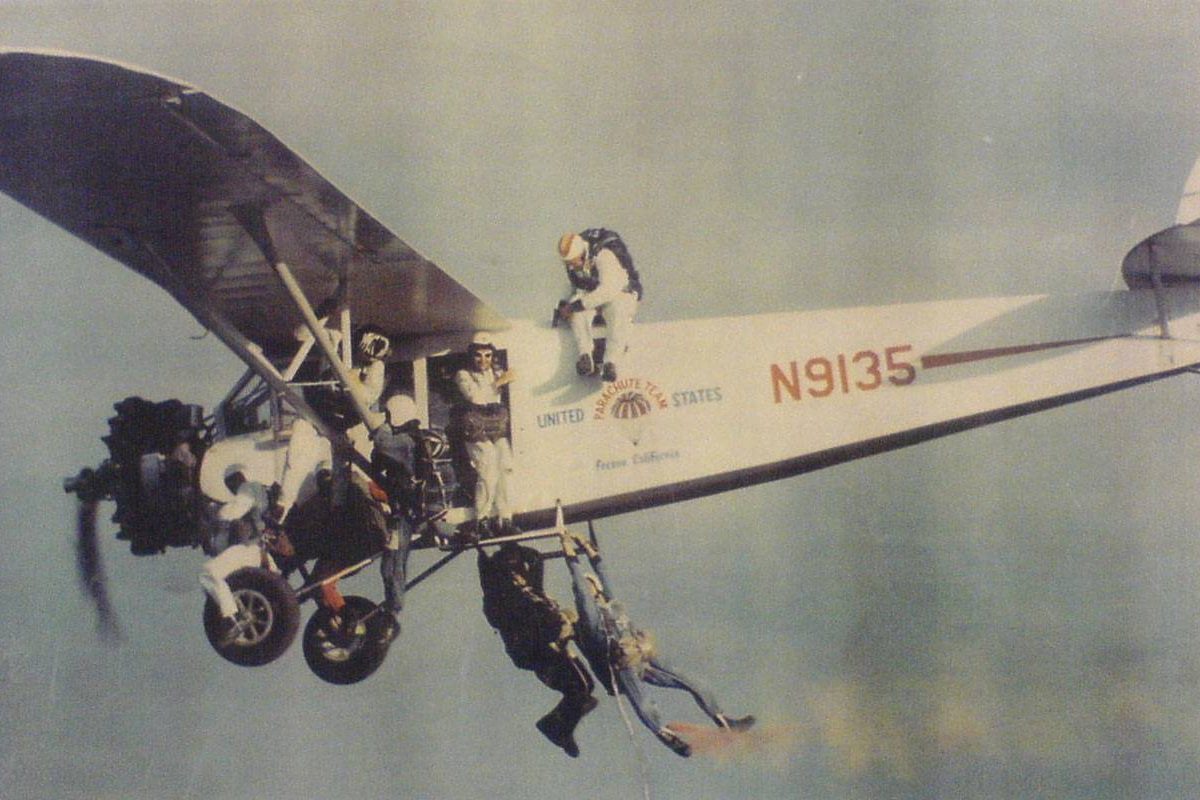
(153, 172)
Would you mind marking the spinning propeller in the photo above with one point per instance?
(92, 486)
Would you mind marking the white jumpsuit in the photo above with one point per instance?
(249, 500)
(492, 460)
(617, 306)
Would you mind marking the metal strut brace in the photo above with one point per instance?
(1160, 300)
(519, 537)
(245, 349)
(252, 218)
(305, 591)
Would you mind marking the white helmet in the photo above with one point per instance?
(573, 250)
(400, 409)
(481, 341)
(373, 344)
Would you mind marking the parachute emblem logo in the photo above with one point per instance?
(629, 399)
(630, 405)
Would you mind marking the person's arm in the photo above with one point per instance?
(372, 378)
(305, 452)
(612, 280)
(585, 602)
(471, 391)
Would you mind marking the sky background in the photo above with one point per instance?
(1009, 612)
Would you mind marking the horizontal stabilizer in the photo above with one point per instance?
(1170, 257)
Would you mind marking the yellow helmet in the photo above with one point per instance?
(573, 250)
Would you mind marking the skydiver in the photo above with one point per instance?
(485, 429)
(373, 346)
(603, 277)
(536, 633)
(330, 510)
(623, 656)
(244, 517)
(394, 457)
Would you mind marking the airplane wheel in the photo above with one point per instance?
(349, 647)
(268, 613)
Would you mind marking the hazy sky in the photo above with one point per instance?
(1006, 613)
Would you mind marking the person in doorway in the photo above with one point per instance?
(485, 429)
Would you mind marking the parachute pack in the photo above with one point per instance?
(604, 239)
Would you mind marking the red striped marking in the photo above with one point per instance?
(951, 359)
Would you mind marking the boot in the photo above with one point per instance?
(736, 724)
(584, 365)
(673, 740)
(560, 731)
(610, 372)
(559, 725)
(390, 628)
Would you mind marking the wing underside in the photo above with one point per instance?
(153, 173)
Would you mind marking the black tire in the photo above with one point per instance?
(270, 618)
(352, 655)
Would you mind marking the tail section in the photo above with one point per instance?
(1171, 256)
(1189, 204)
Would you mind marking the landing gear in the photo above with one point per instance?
(347, 647)
(267, 620)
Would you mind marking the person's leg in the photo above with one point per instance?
(217, 568)
(659, 673)
(565, 673)
(581, 330)
(483, 457)
(618, 318)
(394, 564)
(330, 596)
(630, 685)
(503, 496)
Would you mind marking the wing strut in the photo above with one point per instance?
(251, 354)
(1160, 300)
(252, 219)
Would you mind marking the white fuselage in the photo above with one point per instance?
(711, 404)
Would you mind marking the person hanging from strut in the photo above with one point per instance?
(537, 634)
(394, 457)
(623, 656)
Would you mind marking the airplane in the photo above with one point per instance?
(282, 267)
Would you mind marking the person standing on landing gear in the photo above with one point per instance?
(603, 277)
(394, 457)
(244, 517)
(485, 429)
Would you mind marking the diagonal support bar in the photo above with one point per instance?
(252, 218)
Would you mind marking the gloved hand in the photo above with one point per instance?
(273, 516)
(562, 313)
(589, 548)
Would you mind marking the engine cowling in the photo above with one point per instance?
(151, 473)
